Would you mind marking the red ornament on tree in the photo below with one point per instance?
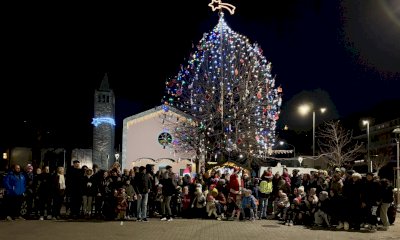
(259, 96)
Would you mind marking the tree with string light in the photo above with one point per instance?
(228, 90)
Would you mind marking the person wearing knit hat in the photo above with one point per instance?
(214, 192)
(266, 175)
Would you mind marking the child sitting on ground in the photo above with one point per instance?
(282, 205)
(293, 211)
(321, 214)
(211, 207)
(249, 205)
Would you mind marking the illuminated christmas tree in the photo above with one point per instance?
(228, 90)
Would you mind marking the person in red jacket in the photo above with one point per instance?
(234, 185)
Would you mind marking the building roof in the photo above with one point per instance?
(104, 86)
(129, 121)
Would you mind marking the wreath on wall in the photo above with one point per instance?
(164, 139)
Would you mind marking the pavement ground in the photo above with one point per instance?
(177, 229)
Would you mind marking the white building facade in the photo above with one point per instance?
(147, 139)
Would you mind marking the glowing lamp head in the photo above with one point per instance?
(323, 110)
(304, 109)
(365, 122)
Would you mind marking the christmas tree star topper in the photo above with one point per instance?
(219, 5)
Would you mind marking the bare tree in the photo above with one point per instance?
(380, 161)
(336, 144)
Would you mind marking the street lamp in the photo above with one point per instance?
(304, 110)
(366, 122)
(117, 157)
(300, 159)
(396, 131)
(294, 148)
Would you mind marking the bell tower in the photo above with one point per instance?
(104, 125)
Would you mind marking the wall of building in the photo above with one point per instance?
(84, 156)
(21, 156)
(140, 141)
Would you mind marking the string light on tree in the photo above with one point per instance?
(229, 91)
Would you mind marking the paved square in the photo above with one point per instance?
(177, 229)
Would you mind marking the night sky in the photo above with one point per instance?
(340, 54)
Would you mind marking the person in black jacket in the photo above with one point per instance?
(151, 198)
(43, 192)
(74, 188)
(386, 199)
(89, 191)
(352, 192)
(168, 189)
(142, 187)
(295, 179)
(369, 199)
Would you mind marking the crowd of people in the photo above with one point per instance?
(342, 199)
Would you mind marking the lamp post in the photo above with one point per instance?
(366, 122)
(294, 148)
(304, 110)
(396, 131)
(64, 159)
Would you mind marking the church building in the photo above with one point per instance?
(148, 139)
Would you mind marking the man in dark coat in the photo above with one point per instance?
(142, 186)
(369, 198)
(74, 188)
